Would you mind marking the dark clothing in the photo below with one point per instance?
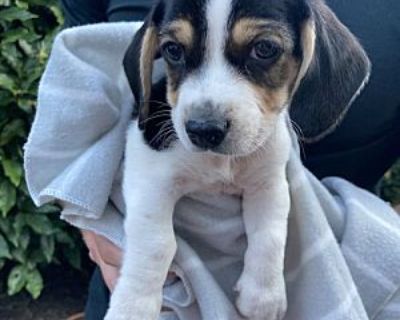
(92, 11)
(98, 297)
(362, 148)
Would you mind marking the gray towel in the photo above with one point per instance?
(343, 251)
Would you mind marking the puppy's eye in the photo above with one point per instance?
(173, 52)
(265, 50)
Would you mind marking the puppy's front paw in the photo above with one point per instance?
(134, 308)
(261, 302)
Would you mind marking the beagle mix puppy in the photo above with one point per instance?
(218, 120)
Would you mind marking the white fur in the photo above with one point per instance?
(217, 19)
(154, 181)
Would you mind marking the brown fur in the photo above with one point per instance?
(308, 37)
(247, 29)
(148, 52)
(180, 30)
(275, 91)
(275, 99)
(172, 94)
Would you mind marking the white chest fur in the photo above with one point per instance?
(185, 171)
(154, 181)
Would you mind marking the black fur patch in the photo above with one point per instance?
(159, 131)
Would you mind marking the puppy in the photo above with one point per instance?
(218, 121)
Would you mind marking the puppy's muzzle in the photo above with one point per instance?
(207, 134)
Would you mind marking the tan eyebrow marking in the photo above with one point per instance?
(247, 29)
(180, 30)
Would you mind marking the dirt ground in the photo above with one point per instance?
(63, 299)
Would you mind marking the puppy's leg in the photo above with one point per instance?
(150, 248)
(150, 242)
(261, 287)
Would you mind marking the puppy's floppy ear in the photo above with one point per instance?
(139, 59)
(335, 69)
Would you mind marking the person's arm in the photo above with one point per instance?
(106, 255)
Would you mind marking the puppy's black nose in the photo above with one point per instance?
(207, 134)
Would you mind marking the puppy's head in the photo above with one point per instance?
(234, 65)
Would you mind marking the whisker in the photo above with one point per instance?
(166, 126)
(167, 137)
(299, 133)
(154, 117)
(161, 103)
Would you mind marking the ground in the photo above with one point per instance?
(63, 299)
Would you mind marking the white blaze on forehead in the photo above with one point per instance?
(218, 12)
(216, 81)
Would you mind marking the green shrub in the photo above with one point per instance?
(391, 185)
(30, 238)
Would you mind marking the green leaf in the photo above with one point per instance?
(7, 82)
(24, 240)
(26, 105)
(15, 35)
(16, 279)
(13, 238)
(64, 237)
(21, 4)
(73, 256)
(5, 225)
(6, 98)
(12, 170)
(11, 131)
(18, 225)
(58, 14)
(47, 245)
(12, 56)
(30, 264)
(48, 208)
(2, 263)
(34, 283)
(40, 223)
(5, 3)
(390, 186)
(24, 189)
(43, 2)
(14, 13)
(4, 249)
(8, 197)
(19, 255)
(26, 47)
(33, 77)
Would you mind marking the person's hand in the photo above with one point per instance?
(106, 255)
